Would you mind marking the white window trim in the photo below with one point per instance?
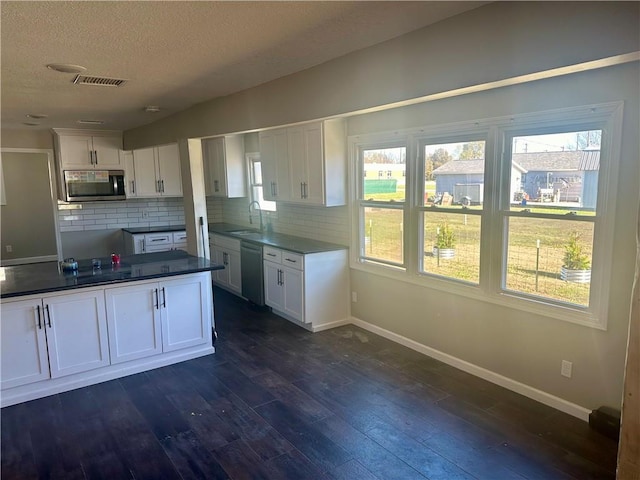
(251, 157)
(609, 115)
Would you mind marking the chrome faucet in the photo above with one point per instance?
(257, 204)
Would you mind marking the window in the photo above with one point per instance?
(255, 182)
(450, 214)
(381, 206)
(508, 210)
(550, 230)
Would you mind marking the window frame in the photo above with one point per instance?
(251, 158)
(360, 203)
(470, 135)
(493, 243)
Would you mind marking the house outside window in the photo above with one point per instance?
(508, 210)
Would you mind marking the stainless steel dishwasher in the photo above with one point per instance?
(252, 273)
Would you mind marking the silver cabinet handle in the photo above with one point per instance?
(290, 260)
(162, 185)
(216, 186)
(133, 186)
(271, 254)
(164, 298)
(157, 304)
(306, 191)
(95, 154)
(301, 190)
(39, 320)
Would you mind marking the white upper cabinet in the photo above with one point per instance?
(274, 156)
(84, 149)
(305, 164)
(156, 172)
(224, 166)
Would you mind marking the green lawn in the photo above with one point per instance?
(383, 228)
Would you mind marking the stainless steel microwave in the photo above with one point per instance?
(94, 185)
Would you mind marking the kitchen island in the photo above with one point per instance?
(64, 330)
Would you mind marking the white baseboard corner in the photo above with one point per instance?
(327, 326)
(508, 383)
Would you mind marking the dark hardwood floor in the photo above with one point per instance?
(278, 402)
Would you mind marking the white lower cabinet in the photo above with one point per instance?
(226, 251)
(311, 289)
(53, 337)
(24, 344)
(154, 242)
(62, 340)
(284, 290)
(157, 317)
(184, 308)
(134, 322)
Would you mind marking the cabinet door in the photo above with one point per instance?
(273, 291)
(185, 312)
(24, 345)
(144, 165)
(275, 165)
(293, 293)
(297, 162)
(215, 162)
(170, 177)
(221, 277)
(107, 152)
(129, 174)
(133, 318)
(76, 332)
(235, 271)
(314, 164)
(76, 151)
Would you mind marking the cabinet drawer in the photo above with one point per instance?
(272, 254)
(180, 237)
(293, 260)
(226, 242)
(154, 239)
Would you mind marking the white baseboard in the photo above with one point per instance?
(22, 261)
(327, 326)
(508, 383)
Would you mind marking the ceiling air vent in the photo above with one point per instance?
(98, 81)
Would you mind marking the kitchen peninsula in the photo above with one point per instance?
(63, 330)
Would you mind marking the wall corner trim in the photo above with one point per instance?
(508, 383)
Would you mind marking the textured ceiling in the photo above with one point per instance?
(177, 54)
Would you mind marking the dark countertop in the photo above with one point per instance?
(47, 277)
(278, 240)
(166, 228)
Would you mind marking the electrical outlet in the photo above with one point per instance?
(354, 297)
(9, 248)
(145, 214)
(566, 368)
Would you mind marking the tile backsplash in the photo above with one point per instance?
(320, 223)
(148, 212)
(329, 224)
